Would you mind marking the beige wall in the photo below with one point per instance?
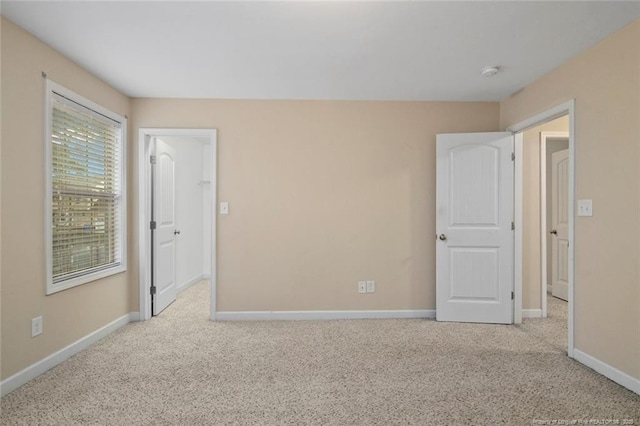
(70, 314)
(605, 82)
(323, 194)
(531, 272)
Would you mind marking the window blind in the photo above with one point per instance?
(86, 190)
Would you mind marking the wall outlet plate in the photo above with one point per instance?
(224, 207)
(585, 208)
(362, 286)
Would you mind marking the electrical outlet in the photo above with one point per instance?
(362, 286)
(224, 207)
(371, 286)
(36, 326)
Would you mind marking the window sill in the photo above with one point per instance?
(84, 279)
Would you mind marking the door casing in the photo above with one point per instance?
(144, 212)
(567, 108)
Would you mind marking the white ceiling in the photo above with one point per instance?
(321, 50)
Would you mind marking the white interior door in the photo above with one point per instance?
(164, 237)
(475, 240)
(560, 224)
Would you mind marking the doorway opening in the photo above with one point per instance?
(177, 227)
(527, 286)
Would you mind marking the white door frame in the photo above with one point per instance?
(567, 108)
(543, 213)
(144, 211)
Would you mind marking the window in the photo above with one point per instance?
(85, 190)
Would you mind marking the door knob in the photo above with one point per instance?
(553, 232)
(443, 237)
(176, 232)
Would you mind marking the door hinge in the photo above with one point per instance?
(152, 224)
(513, 156)
(512, 296)
(152, 159)
(153, 290)
(513, 226)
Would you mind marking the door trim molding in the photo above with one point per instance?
(544, 284)
(567, 108)
(144, 211)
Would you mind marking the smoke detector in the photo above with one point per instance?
(490, 71)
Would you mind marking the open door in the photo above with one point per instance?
(163, 288)
(560, 224)
(474, 222)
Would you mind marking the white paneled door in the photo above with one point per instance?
(164, 236)
(560, 224)
(475, 240)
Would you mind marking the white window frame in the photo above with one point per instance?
(51, 88)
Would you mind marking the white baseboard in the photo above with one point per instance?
(532, 313)
(608, 371)
(206, 276)
(322, 315)
(134, 316)
(20, 378)
(189, 283)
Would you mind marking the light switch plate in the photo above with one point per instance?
(585, 207)
(224, 207)
(362, 286)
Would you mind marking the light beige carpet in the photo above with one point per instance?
(182, 369)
